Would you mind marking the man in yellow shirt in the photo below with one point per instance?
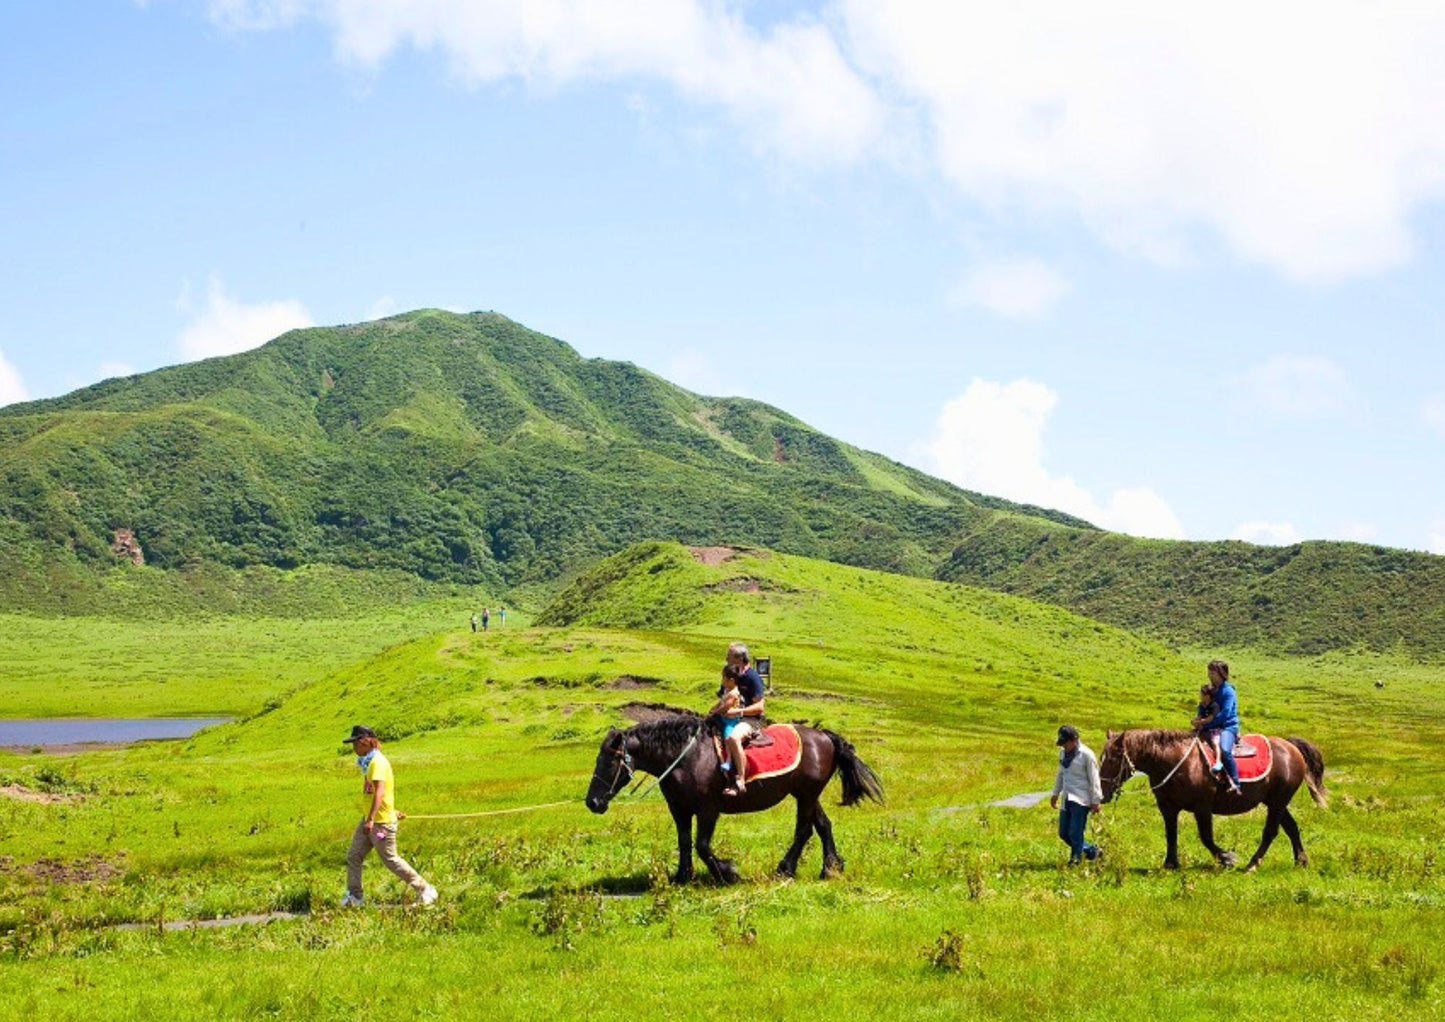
(377, 828)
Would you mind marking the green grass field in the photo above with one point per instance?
(947, 909)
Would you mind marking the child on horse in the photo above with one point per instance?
(1223, 723)
(728, 709)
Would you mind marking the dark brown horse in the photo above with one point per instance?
(679, 750)
(1180, 779)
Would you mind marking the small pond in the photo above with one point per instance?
(99, 730)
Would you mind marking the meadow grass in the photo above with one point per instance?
(948, 907)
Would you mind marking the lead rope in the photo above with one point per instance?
(658, 779)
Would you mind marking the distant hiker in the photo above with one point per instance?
(1078, 781)
(729, 708)
(485, 615)
(1224, 720)
(502, 616)
(377, 829)
(474, 621)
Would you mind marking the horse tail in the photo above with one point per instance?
(1315, 769)
(859, 781)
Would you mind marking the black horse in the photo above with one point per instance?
(679, 750)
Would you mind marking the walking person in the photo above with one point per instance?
(474, 621)
(1078, 781)
(502, 617)
(485, 615)
(377, 829)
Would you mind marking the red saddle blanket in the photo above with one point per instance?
(1252, 754)
(782, 756)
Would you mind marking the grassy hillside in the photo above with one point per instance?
(458, 449)
(1299, 599)
(949, 908)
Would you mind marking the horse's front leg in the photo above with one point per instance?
(683, 819)
(1171, 836)
(1205, 822)
(722, 870)
(1271, 828)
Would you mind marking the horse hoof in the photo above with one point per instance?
(1228, 860)
(1253, 867)
(1170, 865)
(832, 868)
(1302, 861)
(787, 872)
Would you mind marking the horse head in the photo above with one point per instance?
(1116, 767)
(612, 771)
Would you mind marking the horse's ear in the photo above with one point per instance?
(1108, 736)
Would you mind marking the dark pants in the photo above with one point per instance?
(1072, 818)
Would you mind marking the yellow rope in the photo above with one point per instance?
(487, 812)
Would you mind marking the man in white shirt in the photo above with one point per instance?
(1078, 782)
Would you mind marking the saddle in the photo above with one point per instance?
(1253, 755)
(780, 754)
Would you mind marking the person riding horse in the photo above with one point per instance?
(745, 718)
(1225, 721)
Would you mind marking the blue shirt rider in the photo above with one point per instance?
(1225, 720)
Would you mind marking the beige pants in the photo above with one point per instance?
(383, 839)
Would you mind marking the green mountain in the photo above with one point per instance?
(400, 459)
(447, 448)
(1299, 599)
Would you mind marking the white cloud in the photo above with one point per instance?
(1433, 412)
(1436, 544)
(991, 439)
(381, 308)
(1013, 288)
(110, 370)
(12, 387)
(790, 87)
(1301, 133)
(1305, 387)
(226, 326)
(1267, 533)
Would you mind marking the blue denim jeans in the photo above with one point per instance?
(1072, 819)
(1227, 738)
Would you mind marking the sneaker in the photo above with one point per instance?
(348, 901)
(428, 894)
(1214, 768)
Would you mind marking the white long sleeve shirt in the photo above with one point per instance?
(1079, 781)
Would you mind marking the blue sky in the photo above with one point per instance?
(1179, 272)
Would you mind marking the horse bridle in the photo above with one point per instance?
(624, 762)
(1127, 769)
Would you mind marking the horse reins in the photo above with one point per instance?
(1118, 782)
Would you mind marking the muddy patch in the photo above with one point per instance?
(46, 798)
(91, 869)
(712, 556)
(740, 584)
(632, 681)
(646, 713)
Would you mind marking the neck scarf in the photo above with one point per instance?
(362, 762)
(1066, 757)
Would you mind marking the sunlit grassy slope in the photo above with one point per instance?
(948, 908)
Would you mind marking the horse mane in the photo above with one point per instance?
(665, 735)
(1143, 742)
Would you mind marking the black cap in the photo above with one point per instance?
(1067, 733)
(359, 731)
